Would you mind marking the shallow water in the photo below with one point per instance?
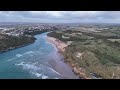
(30, 62)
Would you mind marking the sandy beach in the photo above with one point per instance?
(59, 44)
(58, 60)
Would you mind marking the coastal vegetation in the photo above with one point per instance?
(93, 52)
(11, 42)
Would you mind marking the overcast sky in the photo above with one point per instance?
(61, 16)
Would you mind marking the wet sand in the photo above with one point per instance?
(57, 61)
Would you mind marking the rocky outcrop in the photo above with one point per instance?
(79, 71)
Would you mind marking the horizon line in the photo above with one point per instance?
(65, 22)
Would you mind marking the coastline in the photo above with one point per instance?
(59, 44)
(61, 48)
(12, 48)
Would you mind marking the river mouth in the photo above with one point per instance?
(35, 61)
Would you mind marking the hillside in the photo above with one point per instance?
(92, 54)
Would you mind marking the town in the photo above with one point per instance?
(15, 29)
(19, 30)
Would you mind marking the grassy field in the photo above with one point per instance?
(101, 51)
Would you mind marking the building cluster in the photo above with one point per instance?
(11, 32)
(19, 30)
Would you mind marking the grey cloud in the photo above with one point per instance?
(64, 16)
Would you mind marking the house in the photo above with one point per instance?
(65, 37)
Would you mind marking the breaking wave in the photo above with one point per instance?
(36, 74)
(19, 55)
(11, 59)
(55, 71)
(44, 77)
(29, 52)
(36, 70)
(27, 66)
